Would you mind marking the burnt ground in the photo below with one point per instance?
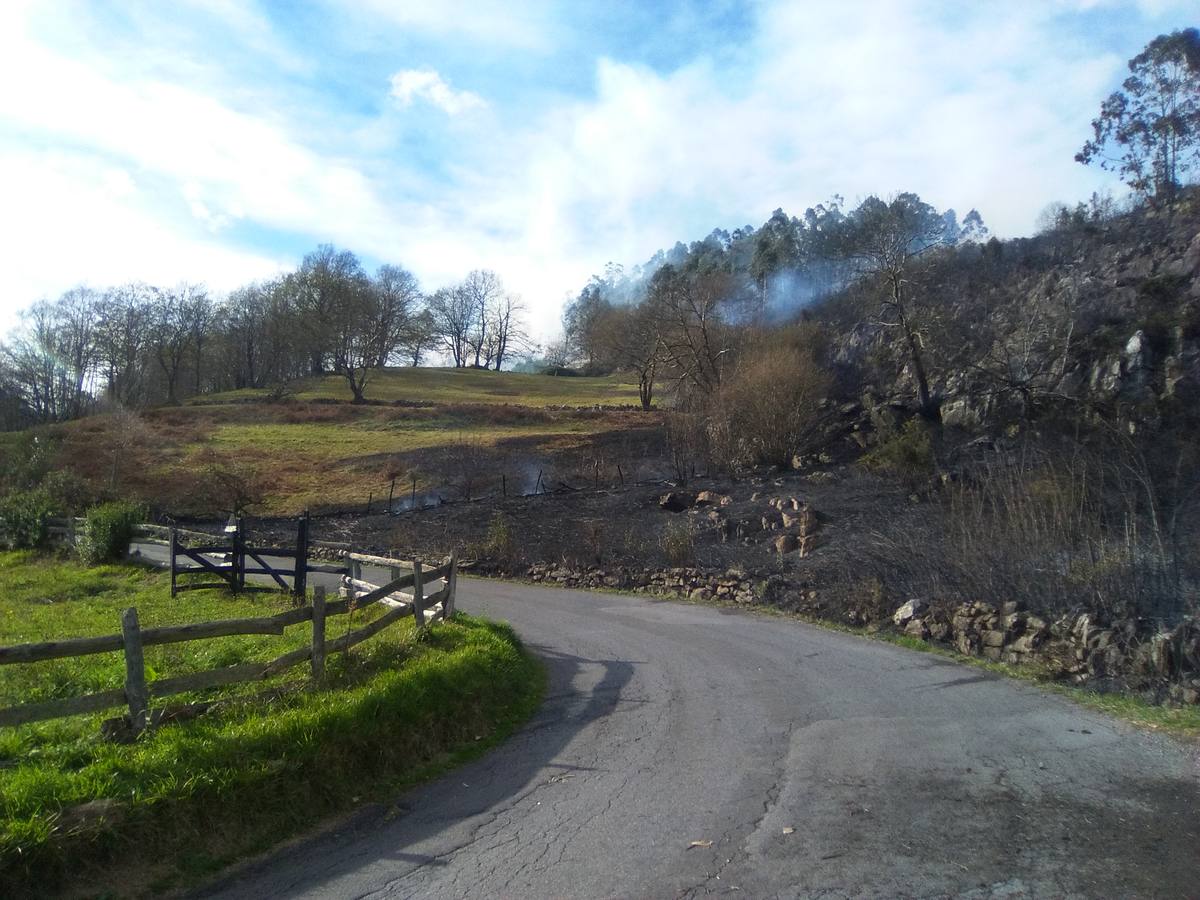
(625, 526)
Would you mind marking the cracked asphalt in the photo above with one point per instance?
(687, 750)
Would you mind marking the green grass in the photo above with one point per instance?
(428, 385)
(266, 764)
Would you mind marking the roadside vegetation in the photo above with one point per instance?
(266, 762)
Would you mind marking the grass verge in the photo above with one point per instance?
(265, 764)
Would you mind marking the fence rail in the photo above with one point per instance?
(136, 694)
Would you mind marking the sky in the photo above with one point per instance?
(218, 141)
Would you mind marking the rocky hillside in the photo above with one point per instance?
(1101, 315)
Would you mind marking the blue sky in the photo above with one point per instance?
(219, 140)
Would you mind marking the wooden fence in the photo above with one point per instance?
(237, 559)
(404, 595)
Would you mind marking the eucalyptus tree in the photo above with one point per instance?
(1149, 131)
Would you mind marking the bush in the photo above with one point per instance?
(678, 543)
(767, 408)
(500, 545)
(23, 517)
(107, 530)
(907, 454)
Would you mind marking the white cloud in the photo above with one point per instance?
(426, 84)
(967, 108)
(87, 221)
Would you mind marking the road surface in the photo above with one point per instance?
(685, 750)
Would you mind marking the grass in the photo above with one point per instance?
(429, 385)
(267, 763)
(284, 458)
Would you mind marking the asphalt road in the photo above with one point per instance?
(686, 750)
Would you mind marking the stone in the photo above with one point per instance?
(993, 639)
(917, 628)
(674, 501)
(1010, 608)
(908, 611)
(995, 654)
(786, 543)
(712, 498)
(1026, 643)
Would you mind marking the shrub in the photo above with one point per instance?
(767, 410)
(23, 518)
(678, 543)
(107, 530)
(500, 544)
(907, 454)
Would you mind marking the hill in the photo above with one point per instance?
(453, 432)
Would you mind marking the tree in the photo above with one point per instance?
(885, 238)
(507, 328)
(481, 290)
(629, 338)
(398, 294)
(1149, 132)
(172, 317)
(123, 336)
(693, 337)
(327, 281)
(453, 315)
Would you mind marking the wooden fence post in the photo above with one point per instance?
(300, 573)
(318, 633)
(174, 553)
(418, 596)
(451, 587)
(135, 670)
(370, 497)
(391, 492)
(412, 498)
(239, 557)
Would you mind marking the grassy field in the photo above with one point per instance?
(267, 763)
(424, 385)
(316, 454)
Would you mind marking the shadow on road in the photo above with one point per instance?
(486, 787)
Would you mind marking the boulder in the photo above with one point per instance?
(675, 501)
(786, 543)
(993, 639)
(712, 498)
(917, 628)
(908, 611)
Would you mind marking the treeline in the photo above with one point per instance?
(138, 345)
(684, 314)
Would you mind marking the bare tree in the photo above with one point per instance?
(481, 290)
(173, 314)
(627, 338)
(453, 316)
(885, 238)
(398, 294)
(508, 328)
(693, 337)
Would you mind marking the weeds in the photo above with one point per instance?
(678, 543)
